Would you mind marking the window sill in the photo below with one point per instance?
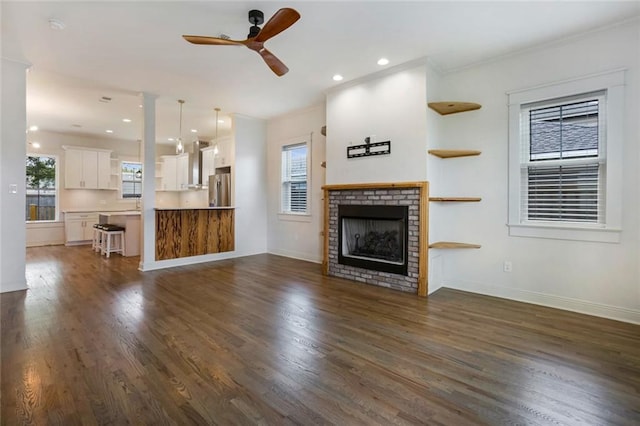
(294, 217)
(565, 232)
(43, 223)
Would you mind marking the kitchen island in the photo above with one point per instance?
(130, 220)
(184, 232)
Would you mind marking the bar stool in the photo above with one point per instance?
(96, 244)
(112, 239)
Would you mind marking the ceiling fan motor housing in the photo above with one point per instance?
(256, 17)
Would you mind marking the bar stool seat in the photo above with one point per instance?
(112, 239)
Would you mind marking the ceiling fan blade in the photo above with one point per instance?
(212, 40)
(279, 22)
(274, 63)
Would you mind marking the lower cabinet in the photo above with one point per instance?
(78, 227)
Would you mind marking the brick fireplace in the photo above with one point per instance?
(377, 233)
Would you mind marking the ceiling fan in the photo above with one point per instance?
(279, 22)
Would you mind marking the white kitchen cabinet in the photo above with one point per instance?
(87, 169)
(182, 171)
(226, 152)
(224, 157)
(208, 164)
(78, 227)
(175, 172)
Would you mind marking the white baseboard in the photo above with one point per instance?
(552, 301)
(191, 260)
(183, 261)
(295, 255)
(7, 287)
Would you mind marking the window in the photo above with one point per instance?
(565, 159)
(131, 179)
(562, 166)
(41, 188)
(295, 161)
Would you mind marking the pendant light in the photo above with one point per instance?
(179, 144)
(215, 148)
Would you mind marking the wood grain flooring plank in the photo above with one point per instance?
(270, 340)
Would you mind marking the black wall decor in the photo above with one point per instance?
(368, 149)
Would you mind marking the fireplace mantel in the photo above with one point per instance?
(414, 194)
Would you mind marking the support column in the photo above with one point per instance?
(13, 153)
(148, 155)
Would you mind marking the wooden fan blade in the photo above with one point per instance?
(279, 22)
(274, 63)
(212, 40)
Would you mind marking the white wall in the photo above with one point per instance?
(434, 173)
(296, 236)
(391, 106)
(250, 187)
(597, 278)
(13, 111)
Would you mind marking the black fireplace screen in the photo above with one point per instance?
(373, 237)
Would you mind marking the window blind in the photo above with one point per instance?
(563, 193)
(294, 178)
(562, 167)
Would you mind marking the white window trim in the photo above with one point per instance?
(121, 195)
(613, 83)
(297, 216)
(57, 184)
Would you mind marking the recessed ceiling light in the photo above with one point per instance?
(383, 61)
(36, 145)
(56, 24)
(337, 77)
(109, 131)
(170, 139)
(33, 128)
(221, 121)
(194, 130)
(126, 120)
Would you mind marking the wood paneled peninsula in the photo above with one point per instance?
(184, 232)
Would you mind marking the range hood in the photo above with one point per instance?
(196, 180)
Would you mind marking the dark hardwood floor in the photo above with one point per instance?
(269, 340)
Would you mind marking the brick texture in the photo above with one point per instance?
(388, 196)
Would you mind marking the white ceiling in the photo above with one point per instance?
(119, 49)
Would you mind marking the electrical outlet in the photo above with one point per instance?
(507, 266)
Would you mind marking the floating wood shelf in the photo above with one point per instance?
(452, 107)
(453, 245)
(451, 153)
(455, 199)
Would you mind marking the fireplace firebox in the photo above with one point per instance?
(373, 237)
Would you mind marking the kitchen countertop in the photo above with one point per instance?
(97, 210)
(195, 208)
(120, 213)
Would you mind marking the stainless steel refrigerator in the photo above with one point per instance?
(220, 190)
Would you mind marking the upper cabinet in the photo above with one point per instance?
(208, 163)
(225, 156)
(175, 172)
(222, 158)
(87, 168)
